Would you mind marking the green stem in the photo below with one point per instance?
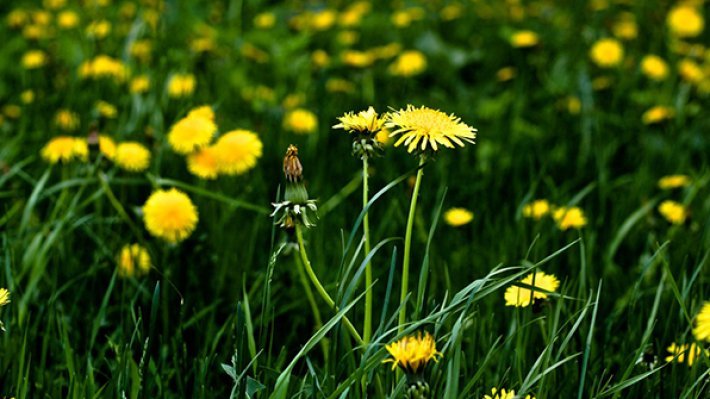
(319, 287)
(314, 306)
(408, 247)
(367, 329)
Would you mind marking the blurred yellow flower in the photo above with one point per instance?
(103, 66)
(254, 53)
(673, 181)
(386, 51)
(323, 20)
(106, 110)
(67, 19)
(409, 63)
(458, 217)
(685, 353)
(203, 163)
(625, 27)
(16, 18)
(404, 18)
(701, 331)
(567, 218)
(536, 209)
(181, 85)
(140, 84)
(66, 120)
(523, 297)
(320, 58)
(574, 105)
(133, 261)
(265, 20)
(141, 49)
(357, 59)
(451, 11)
(35, 32)
(237, 151)
(607, 53)
(54, 4)
(690, 71)
(65, 149)
(504, 394)
(348, 37)
(524, 38)
(412, 353)
(293, 100)
(4, 296)
(34, 59)
(673, 212)
(132, 156)
(107, 146)
(191, 133)
(423, 128)
(301, 121)
(354, 13)
(654, 67)
(27, 96)
(41, 17)
(337, 85)
(12, 111)
(506, 73)
(656, 114)
(685, 21)
(170, 215)
(98, 29)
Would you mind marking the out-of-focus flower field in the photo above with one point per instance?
(346, 199)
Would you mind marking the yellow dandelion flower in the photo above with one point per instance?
(607, 53)
(67, 19)
(181, 85)
(132, 156)
(412, 352)
(524, 38)
(458, 217)
(203, 163)
(625, 27)
(654, 67)
(65, 149)
(424, 128)
(701, 331)
(106, 110)
(673, 212)
(301, 121)
(409, 63)
(54, 4)
(673, 181)
(504, 394)
(98, 29)
(27, 97)
(657, 114)
(383, 137)
(16, 18)
(265, 20)
(42, 17)
(103, 66)
(204, 111)
(337, 85)
(141, 49)
(404, 18)
(66, 120)
(685, 21)
(237, 151)
(134, 260)
(574, 105)
(170, 215)
(12, 111)
(191, 133)
(685, 353)
(363, 122)
(139, 84)
(34, 59)
(107, 146)
(4, 296)
(537, 209)
(567, 218)
(690, 71)
(320, 58)
(357, 59)
(348, 37)
(506, 73)
(451, 12)
(385, 52)
(323, 20)
(521, 297)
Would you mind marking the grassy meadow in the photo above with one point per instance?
(490, 199)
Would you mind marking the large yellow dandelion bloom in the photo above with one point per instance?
(65, 149)
(685, 353)
(191, 133)
(413, 352)
(524, 38)
(237, 151)
(181, 85)
(203, 163)
(701, 331)
(409, 63)
(301, 121)
(504, 394)
(567, 218)
(132, 156)
(424, 128)
(133, 260)
(107, 146)
(4, 296)
(654, 67)
(673, 212)
(673, 181)
(458, 217)
(521, 297)
(537, 209)
(685, 21)
(34, 59)
(607, 53)
(170, 215)
(362, 122)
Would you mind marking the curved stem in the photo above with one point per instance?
(312, 303)
(367, 328)
(319, 287)
(408, 247)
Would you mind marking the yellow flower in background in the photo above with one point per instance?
(412, 353)
(293, 100)
(66, 120)
(139, 84)
(404, 18)
(203, 163)
(65, 149)
(354, 13)
(107, 146)
(34, 59)
(458, 217)
(237, 151)
(690, 71)
(362, 122)
(504, 394)
(423, 128)
(54, 4)
(41, 17)
(537, 209)
(103, 66)
(337, 85)
(67, 19)
(673, 181)
(685, 353)
(98, 29)
(204, 111)
(451, 12)
(506, 73)
(181, 85)
(409, 63)
(12, 111)
(265, 20)
(4, 296)
(701, 331)
(106, 110)
(656, 114)
(607, 53)
(521, 297)
(141, 49)
(323, 20)
(386, 51)
(191, 133)
(348, 37)
(357, 59)
(132, 156)
(685, 21)
(567, 218)
(320, 58)
(27, 96)
(170, 215)
(16, 18)
(673, 212)
(654, 67)
(625, 27)
(574, 105)
(524, 38)
(301, 121)
(133, 261)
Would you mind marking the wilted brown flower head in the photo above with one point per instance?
(292, 165)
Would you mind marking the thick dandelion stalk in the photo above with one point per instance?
(408, 247)
(367, 329)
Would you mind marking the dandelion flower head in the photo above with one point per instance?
(524, 38)
(170, 215)
(4, 296)
(132, 156)
(567, 218)
(203, 163)
(685, 21)
(412, 353)
(191, 132)
(607, 53)
(654, 67)
(65, 149)
(237, 151)
(536, 209)
(673, 212)
(685, 353)
(181, 85)
(521, 297)
(504, 394)
(673, 181)
(701, 331)
(107, 146)
(458, 217)
(133, 260)
(409, 63)
(301, 121)
(362, 122)
(424, 128)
